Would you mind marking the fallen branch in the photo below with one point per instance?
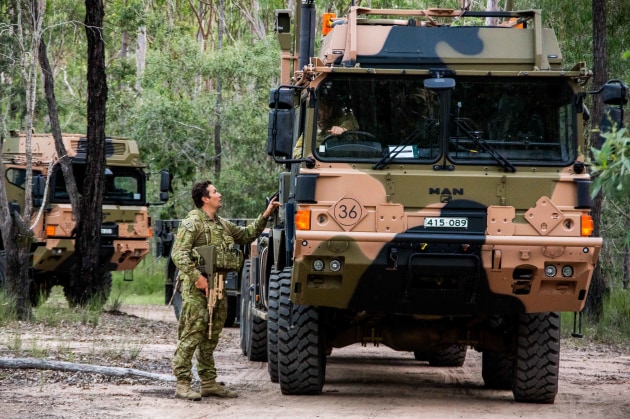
(42, 364)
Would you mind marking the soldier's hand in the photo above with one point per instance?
(202, 284)
(335, 130)
(273, 204)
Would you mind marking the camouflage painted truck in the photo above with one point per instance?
(126, 225)
(457, 214)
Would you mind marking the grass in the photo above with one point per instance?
(146, 287)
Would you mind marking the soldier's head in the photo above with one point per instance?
(205, 189)
(199, 190)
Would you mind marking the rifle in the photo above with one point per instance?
(215, 279)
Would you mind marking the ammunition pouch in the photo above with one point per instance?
(229, 259)
(210, 259)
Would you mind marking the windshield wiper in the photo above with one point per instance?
(503, 162)
(386, 159)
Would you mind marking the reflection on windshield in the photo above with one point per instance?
(498, 121)
(522, 120)
(390, 115)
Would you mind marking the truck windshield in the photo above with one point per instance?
(498, 121)
(123, 185)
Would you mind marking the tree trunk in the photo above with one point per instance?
(218, 149)
(141, 56)
(53, 115)
(599, 286)
(18, 275)
(17, 237)
(492, 6)
(86, 280)
(45, 364)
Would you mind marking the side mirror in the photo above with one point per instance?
(281, 123)
(39, 187)
(165, 185)
(614, 92)
(614, 96)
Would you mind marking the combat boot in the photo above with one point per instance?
(214, 389)
(183, 391)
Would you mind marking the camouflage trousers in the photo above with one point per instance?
(192, 334)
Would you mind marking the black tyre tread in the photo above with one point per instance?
(244, 327)
(301, 359)
(272, 323)
(258, 340)
(497, 370)
(256, 343)
(537, 358)
(450, 356)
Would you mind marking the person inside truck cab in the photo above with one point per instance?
(331, 120)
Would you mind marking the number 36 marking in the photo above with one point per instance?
(348, 211)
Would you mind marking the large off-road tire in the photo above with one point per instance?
(497, 370)
(245, 326)
(451, 356)
(77, 294)
(301, 353)
(537, 361)
(253, 329)
(272, 321)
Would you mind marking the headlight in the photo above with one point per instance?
(318, 264)
(335, 265)
(550, 270)
(567, 271)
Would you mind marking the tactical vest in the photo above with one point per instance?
(210, 233)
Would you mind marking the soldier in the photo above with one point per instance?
(203, 227)
(331, 121)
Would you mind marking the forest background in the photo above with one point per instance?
(190, 79)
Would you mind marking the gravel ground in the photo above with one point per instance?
(361, 382)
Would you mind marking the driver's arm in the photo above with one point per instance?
(347, 123)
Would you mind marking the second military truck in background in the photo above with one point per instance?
(126, 226)
(456, 216)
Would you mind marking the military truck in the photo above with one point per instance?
(457, 214)
(126, 225)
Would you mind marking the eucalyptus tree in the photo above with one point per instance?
(17, 236)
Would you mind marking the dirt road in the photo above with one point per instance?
(361, 382)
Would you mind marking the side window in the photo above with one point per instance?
(16, 177)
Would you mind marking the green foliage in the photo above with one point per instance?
(147, 286)
(7, 310)
(611, 172)
(614, 326)
(611, 164)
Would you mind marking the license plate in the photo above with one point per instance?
(448, 222)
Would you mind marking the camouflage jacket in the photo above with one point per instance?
(197, 229)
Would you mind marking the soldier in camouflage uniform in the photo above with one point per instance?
(204, 227)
